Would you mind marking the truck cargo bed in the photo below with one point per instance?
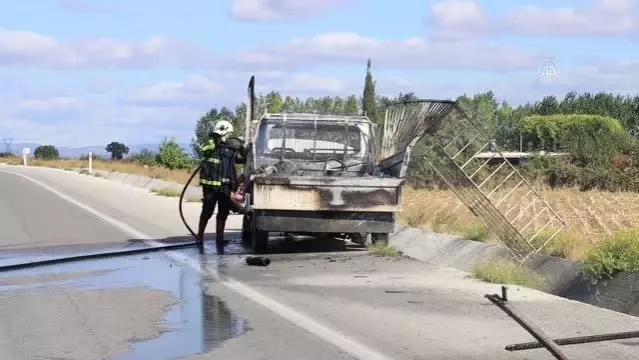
(324, 193)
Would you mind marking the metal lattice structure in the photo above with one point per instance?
(490, 186)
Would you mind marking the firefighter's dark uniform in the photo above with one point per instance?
(218, 178)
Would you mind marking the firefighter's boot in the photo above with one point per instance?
(219, 232)
(200, 232)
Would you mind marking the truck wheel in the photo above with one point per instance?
(259, 239)
(358, 238)
(379, 239)
(247, 230)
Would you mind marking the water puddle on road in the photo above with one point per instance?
(197, 324)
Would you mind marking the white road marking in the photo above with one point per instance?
(309, 324)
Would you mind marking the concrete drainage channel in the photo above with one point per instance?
(562, 277)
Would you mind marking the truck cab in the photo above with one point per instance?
(313, 174)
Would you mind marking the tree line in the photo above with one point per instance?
(599, 130)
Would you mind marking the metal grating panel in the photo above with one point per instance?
(491, 188)
(406, 122)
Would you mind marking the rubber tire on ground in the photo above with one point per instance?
(358, 238)
(380, 239)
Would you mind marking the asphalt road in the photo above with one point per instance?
(317, 303)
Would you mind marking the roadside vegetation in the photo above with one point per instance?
(595, 189)
(503, 271)
(614, 254)
(171, 192)
(384, 250)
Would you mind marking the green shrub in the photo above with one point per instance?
(503, 271)
(384, 250)
(168, 192)
(145, 157)
(172, 156)
(46, 152)
(475, 232)
(616, 253)
(587, 137)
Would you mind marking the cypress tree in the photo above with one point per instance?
(368, 101)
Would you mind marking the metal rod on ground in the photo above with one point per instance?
(576, 340)
(539, 335)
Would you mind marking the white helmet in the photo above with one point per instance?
(223, 128)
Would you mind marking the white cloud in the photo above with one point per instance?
(349, 48)
(160, 109)
(458, 18)
(467, 19)
(276, 10)
(31, 49)
(21, 48)
(54, 103)
(229, 89)
(194, 90)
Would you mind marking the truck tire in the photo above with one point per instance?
(259, 239)
(358, 238)
(247, 230)
(380, 239)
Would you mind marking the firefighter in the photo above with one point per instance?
(218, 179)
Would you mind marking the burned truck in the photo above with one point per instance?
(312, 174)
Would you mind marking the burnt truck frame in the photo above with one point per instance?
(323, 189)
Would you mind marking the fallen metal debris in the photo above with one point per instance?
(544, 340)
(576, 340)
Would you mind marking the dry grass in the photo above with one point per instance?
(170, 192)
(127, 167)
(590, 216)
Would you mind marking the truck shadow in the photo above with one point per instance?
(278, 244)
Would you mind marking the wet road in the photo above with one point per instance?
(308, 304)
(92, 309)
(31, 216)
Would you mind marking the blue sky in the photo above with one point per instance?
(86, 72)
